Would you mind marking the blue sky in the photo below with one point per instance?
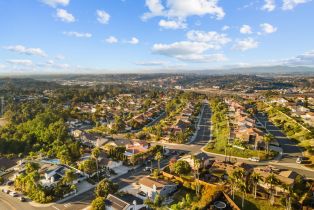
(73, 36)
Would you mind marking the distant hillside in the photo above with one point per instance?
(261, 70)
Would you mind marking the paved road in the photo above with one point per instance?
(290, 149)
(8, 202)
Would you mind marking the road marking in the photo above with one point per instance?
(55, 207)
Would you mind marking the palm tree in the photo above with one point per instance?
(69, 177)
(158, 157)
(242, 187)
(272, 180)
(238, 178)
(95, 154)
(255, 178)
(197, 166)
(267, 139)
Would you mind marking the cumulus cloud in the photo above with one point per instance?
(111, 40)
(77, 34)
(212, 38)
(187, 51)
(268, 28)
(269, 5)
(246, 29)
(25, 50)
(103, 17)
(172, 24)
(245, 44)
(291, 4)
(65, 16)
(134, 41)
(55, 3)
(20, 62)
(178, 10)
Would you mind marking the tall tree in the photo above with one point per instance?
(158, 157)
(255, 178)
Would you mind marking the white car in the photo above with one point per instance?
(299, 160)
(254, 159)
(13, 194)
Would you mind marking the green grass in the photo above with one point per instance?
(251, 203)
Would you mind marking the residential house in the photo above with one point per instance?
(151, 187)
(201, 156)
(124, 202)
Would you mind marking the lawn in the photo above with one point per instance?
(251, 203)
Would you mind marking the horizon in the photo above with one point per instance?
(153, 36)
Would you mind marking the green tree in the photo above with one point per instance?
(98, 203)
(95, 155)
(182, 167)
(158, 157)
(272, 180)
(106, 187)
(255, 178)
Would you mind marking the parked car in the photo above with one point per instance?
(147, 169)
(13, 194)
(6, 191)
(22, 199)
(254, 159)
(300, 160)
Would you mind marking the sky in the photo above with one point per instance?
(117, 36)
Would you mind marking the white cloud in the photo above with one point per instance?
(55, 3)
(77, 34)
(225, 28)
(155, 7)
(268, 28)
(306, 59)
(151, 63)
(172, 24)
(65, 16)
(25, 50)
(178, 10)
(21, 62)
(291, 4)
(111, 40)
(269, 5)
(246, 29)
(134, 41)
(245, 44)
(59, 57)
(212, 37)
(188, 51)
(103, 17)
(2, 66)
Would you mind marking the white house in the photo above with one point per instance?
(151, 187)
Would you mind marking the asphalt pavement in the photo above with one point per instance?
(290, 149)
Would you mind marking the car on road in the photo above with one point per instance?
(13, 194)
(300, 160)
(254, 159)
(6, 191)
(22, 199)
